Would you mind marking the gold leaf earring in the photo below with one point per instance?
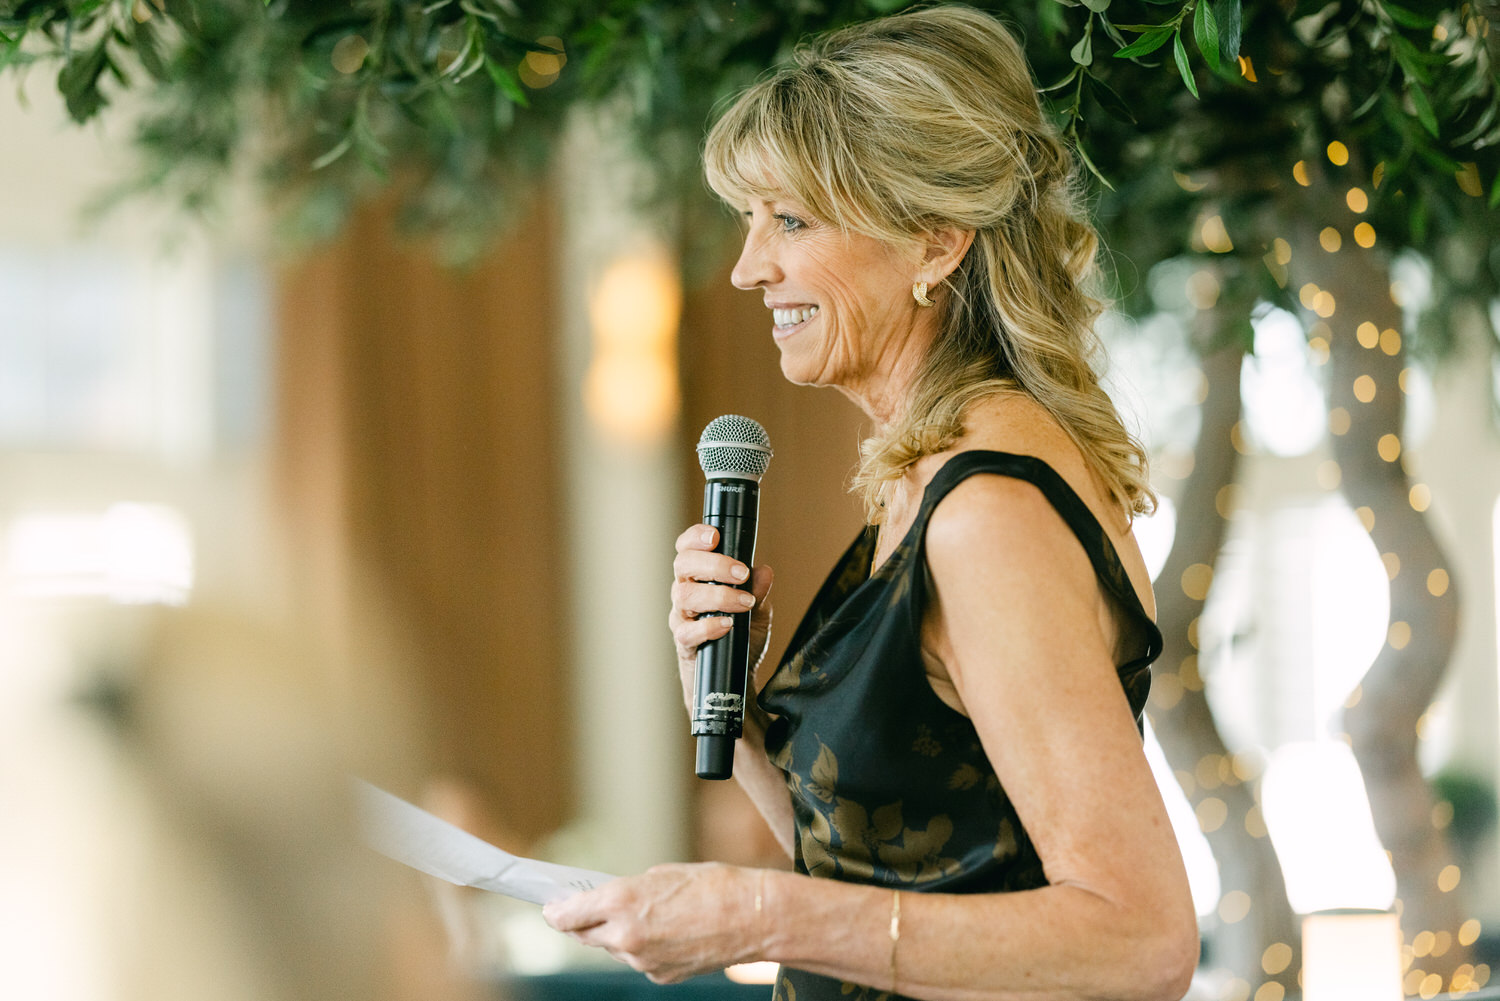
(919, 293)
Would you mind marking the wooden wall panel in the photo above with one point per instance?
(416, 449)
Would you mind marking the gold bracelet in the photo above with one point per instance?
(895, 933)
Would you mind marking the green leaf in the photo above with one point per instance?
(1484, 122)
(333, 154)
(1424, 107)
(147, 51)
(1147, 43)
(506, 82)
(1082, 52)
(1179, 53)
(1410, 59)
(78, 81)
(1495, 193)
(1442, 164)
(1407, 18)
(1097, 6)
(1206, 34)
(1110, 101)
(1229, 18)
(1084, 156)
(1059, 85)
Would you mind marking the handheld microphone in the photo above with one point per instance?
(734, 452)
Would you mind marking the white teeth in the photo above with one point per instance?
(791, 317)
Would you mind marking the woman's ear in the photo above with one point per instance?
(945, 250)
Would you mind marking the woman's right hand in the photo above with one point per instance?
(704, 583)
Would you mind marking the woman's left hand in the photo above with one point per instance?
(671, 922)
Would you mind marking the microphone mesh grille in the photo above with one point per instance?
(734, 444)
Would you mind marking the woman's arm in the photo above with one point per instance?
(701, 585)
(1026, 637)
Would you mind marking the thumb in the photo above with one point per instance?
(761, 579)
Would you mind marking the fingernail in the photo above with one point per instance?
(738, 572)
(748, 600)
(708, 535)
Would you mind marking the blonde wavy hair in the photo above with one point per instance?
(897, 127)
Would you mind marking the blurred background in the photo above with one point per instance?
(335, 442)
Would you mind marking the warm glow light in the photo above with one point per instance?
(1368, 334)
(1330, 239)
(1299, 173)
(1202, 288)
(1399, 635)
(1351, 956)
(1364, 235)
(349, 54)
(1338, 153)
(1234, 906)
(630, 390)
(1215, 236)
(541, 68)
(1196, 581)
(1357, 200)
(1468, 180)
(753, 973)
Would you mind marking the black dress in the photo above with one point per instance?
(890, 785)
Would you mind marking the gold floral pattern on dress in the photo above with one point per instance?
(965, 776)
(926, 744)
(824, 774)
(859, 992)
(852, 842)
(1005, 840)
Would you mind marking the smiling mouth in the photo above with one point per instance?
(787, 319)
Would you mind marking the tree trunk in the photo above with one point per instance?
(1366, 406)
(1254, 936)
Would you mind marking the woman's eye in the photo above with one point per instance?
(789, 224)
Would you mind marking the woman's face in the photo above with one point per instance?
(842, 310)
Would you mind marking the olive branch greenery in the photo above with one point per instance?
(456, 105)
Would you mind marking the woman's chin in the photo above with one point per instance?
(797, 370)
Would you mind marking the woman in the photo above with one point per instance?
(950, 751)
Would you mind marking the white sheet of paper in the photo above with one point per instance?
(414, 837)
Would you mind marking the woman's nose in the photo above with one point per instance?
(755, 267)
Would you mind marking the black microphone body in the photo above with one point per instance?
(719, 685)
(734, 452)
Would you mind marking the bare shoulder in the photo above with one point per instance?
(1016, 423)
(1016, 509)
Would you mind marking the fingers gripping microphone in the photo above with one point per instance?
(734, 453)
